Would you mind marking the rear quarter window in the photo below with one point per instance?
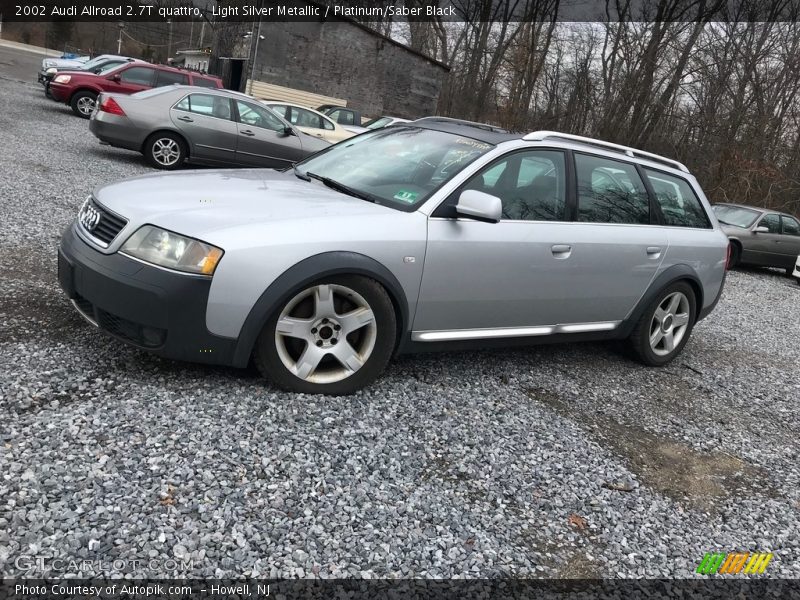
(679, 205)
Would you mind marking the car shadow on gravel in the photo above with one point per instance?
(701, 480)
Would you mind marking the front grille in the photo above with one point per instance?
(99, 222)
(141, 335)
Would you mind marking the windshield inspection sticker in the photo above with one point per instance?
(407, 197)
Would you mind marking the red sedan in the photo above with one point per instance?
(80, 89)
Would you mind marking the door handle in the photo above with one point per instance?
(561, 250)
(185, 119)
(247, 132)
(653, 251)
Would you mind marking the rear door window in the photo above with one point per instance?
(679, 204)
(165, 78)
(610, 191)
(204, 82)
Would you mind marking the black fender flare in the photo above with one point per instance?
(680, 272)
(306, 272)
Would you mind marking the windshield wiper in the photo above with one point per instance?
(340, 187)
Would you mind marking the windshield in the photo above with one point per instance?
(399, 167)
(733, 215)
(89, 64)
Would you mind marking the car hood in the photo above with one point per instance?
(207, 203)
(61, 63)
(732, 230)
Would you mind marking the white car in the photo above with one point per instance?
(64, 63)
(310, 121)
(796, 272)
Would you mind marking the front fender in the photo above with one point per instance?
(303, 274)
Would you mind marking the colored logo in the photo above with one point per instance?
(736, 562)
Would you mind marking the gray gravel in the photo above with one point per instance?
(565, 461)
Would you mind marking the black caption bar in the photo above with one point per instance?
(220, 11)
(496, 589)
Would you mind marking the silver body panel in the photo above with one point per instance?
(463, 279)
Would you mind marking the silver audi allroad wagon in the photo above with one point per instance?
(432, 234)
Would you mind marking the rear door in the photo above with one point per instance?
(206, 121)
(262, 141)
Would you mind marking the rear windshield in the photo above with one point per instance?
(735, 215)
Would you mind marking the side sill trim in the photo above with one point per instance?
(447, 335)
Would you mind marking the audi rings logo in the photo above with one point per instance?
(89, 216)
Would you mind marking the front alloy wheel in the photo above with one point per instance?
(665, 325)
(333, 337)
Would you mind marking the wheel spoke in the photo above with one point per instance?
(294, 327)
(669, 341)
(681, 319)
(308, 361)
(655, 337)
(356, 319)
(674, 303)
(346, 355)
(323, 301)
(660, 314)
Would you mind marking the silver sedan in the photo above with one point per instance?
(170, 125)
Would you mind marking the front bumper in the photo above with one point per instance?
(58, 91)
(144, 306)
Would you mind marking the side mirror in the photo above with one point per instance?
(115, 77)
(97, 70)
(289, 131)
(761, 229)
(480, 206)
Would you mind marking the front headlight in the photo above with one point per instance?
(51, 71)
(62, 78)
(166, 249)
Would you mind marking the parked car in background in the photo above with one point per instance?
(63, 63)
(760, 237)
(380, 122)
(342, 115)
(104, 62)
(398, 241)
(170, 125)
(796, 272)
(80, 89)
(310, 121)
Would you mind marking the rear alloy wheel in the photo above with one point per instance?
(165, 151)
(83, 103)
(334, 337)
(665, 326)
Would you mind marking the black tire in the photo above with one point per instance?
(154, 148)
(736, 255)
(270, 364)
(640, 337)
(82, 103)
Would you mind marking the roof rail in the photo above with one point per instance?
(537, 136)
(484, 126)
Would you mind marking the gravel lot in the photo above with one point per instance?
(566, 461)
